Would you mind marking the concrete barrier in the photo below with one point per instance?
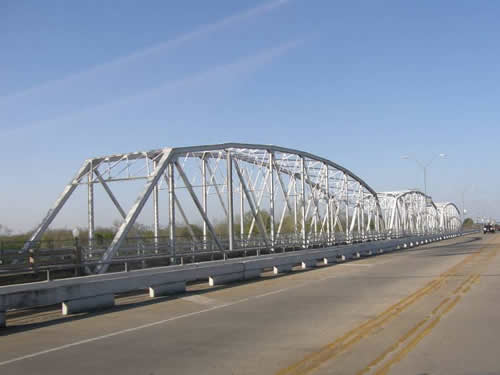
(93, 303)
(329, 260)
(225, 278)
(282, 268)
(250, 274)
(94, 292)
(308, 264)
(340, 258)
(167, 289)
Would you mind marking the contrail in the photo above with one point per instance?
(242, 66)
(171, 43)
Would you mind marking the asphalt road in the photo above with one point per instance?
(430, 310)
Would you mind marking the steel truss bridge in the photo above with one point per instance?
(243, 196)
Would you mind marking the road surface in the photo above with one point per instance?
(430, 310)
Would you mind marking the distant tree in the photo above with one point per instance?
(468, 222)
(5, 231)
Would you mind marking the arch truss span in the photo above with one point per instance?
(409, 212)
(449, 217)
(223, 198)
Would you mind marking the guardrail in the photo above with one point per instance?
(97, 291)
(78, 255)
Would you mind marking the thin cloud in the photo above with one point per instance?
(160, 47)
(225, 73)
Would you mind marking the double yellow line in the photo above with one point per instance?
(330, 351)
(434, 319)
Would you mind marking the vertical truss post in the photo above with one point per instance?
(328, 207)
(216, 186)
(271, 198)
(156, 214)
(204, 197)
(303, 197)
(377, 221)
(333, 220)
(363, 226)
(295, 209)
(242, 214)
(134, 212)
(230, 205)
(199, 206)
(358, 219)
(251, 204)
(257, 201)
(346, 187)
(91, 219)
(171, 209)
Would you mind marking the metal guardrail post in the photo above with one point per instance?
(78, 257)
(33, 257)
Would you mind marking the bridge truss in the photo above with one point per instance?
(233, 196)
(449, 217)
(410, 212)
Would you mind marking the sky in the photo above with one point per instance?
(361, 83)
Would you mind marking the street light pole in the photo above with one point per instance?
(424, 166)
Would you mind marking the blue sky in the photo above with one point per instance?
(358, 82)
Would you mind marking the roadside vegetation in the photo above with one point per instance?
(104, 235)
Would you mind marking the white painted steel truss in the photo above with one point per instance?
(411, 212)
(247, 196)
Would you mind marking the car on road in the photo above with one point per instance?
(489, 228)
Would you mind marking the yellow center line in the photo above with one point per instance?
(393, 347)
(403, 352)
(314, 360)
(436, 309)
(457, 290)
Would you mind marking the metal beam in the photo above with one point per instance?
(58, 205)
(260, 224)
(198, 205)
(230, 199)
(134, 211)
(171, 209)
(110, 194)
(91, 218)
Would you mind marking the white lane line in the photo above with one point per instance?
(128, 330)
(81, 342)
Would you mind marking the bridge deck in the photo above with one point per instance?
(276, 322)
